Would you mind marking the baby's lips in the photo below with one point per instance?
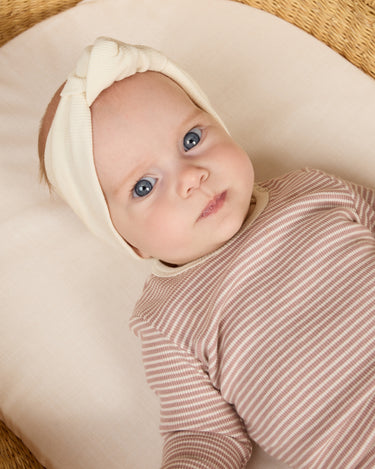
(214, 205)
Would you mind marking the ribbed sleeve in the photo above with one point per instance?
(201, 451)
(364, 202)
(199, 424)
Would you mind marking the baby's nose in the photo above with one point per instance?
(191, 178)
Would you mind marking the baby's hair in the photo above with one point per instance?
(45, 126)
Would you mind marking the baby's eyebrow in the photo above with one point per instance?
(128, 180)
(197, 111)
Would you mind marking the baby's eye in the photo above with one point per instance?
(192, 138)
(143, 187)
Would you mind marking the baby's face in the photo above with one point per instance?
(176, 184)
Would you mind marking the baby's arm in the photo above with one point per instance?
(200, 428)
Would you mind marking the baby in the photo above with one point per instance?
(257, 322)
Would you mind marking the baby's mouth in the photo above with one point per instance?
(214, 205)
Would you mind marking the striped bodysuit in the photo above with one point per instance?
(271, 337)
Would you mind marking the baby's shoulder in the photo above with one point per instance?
(303, 181)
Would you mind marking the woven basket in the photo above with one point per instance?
(13, 453)
(347, 26)
(18, 15)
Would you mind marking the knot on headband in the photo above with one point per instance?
(69, 158)
(108, 61)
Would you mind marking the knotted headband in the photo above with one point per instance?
(69, 158)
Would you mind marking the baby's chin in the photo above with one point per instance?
(204, 244)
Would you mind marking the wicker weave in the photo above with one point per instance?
(13, 453)
(347, 26)
(18, 15)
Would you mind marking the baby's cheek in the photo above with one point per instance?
(171, 229)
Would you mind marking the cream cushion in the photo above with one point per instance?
(71, 378)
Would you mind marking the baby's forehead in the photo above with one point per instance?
(140, 101)
(138, 87)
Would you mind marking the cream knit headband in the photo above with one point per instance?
(69, 158)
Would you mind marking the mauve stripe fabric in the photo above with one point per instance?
(271, 337)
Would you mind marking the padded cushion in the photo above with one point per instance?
(71, 379)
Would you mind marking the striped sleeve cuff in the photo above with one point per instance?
(189, 450)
